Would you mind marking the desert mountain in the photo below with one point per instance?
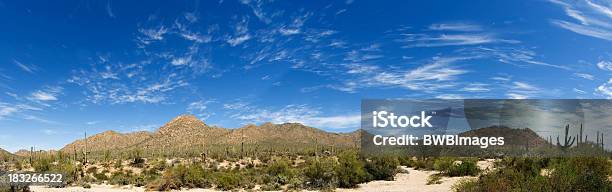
(4, 152)
(187, 132)
(108, 140)
(23, 153)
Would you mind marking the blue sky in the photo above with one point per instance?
(127, 66)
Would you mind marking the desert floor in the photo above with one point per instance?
(410, 180)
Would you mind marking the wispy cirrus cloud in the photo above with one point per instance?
(200, 108)
(522, 90)
(30, 68)
(303, 114)
(450, 34)
(457, 26)
(585, 76)
(591, 18)
(47, 94)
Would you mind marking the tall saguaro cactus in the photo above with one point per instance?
(568, 141)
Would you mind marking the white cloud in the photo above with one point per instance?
(455, 27)
(48, 94)
(151, 35)
(522, 90)
(303, 114)
(605, 65)
(238, 40)
(199, 108)
(145, 127)
(426, 40)
(585, 76)
(476, 87)
(586, 30)
(513, 55)
(593, 19)
(516, 96)
(257, 8)
(449, 96)
(43, 96)
(49, 132)
(502, 78)
(26, 67)
(38, 119)
(579, 91)
(6, 110)
(109, 10)
(236, 106)
(524, 86)
(605, 89)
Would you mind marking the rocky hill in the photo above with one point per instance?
(108, 140)
(3, 152)
(188, 132)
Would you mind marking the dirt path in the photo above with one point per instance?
(414, 180)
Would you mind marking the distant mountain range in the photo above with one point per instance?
(187, 131)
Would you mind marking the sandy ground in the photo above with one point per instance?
(413, 180)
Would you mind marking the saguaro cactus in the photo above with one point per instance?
(568, 141)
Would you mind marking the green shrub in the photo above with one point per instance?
(197, 177)
(434, 179)
(279, 172)
(120, 178)
(319, 174)
(350, 170)
(382, 167)
(464, 168)
(566, 174)
(465, 185)
(227, 180)
(42, 165)
(581, 174)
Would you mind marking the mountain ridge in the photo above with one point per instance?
(187, 131)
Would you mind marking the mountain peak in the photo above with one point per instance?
(181, 123)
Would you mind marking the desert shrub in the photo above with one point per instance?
(68, 169)
(434, 179)
(171, 179)
(227, 180)
(465, 185)
(406, 161)
(117, 164)
(350, 170)
(581, 174)
(463, 168)
(319, 174)
(86, 186)
(443, 164)
(119, 178)
(423, 164)
(42, 165)
(197, 177)
(14, 189)
(567, 174)
(382, 167)
(100, 176)
(279, 172)
(92, 170)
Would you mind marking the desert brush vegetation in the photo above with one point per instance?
(317, 164)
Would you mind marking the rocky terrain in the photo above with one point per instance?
(187, 131)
